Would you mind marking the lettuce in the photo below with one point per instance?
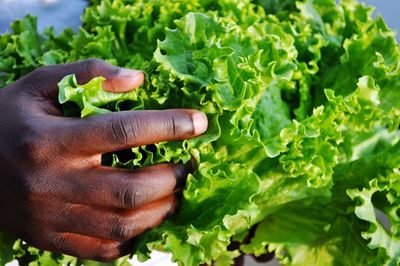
(303, 102)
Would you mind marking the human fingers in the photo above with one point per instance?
(114, 224)
(84, 247)
(43, 81)
(127, 129)
(121, 188)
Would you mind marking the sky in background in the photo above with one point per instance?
(389, 9)
(58, 13)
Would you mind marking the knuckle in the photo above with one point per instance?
(172, 125)
(59, 242)
(179, 124)
(93, 64)
(31, 81)
(121, 230)
(125, 131)
(118, 231)
(130, 197)
(39, 72)
(119, 131)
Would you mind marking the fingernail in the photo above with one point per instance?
(124, 80)
(200, 122)
(128, 73)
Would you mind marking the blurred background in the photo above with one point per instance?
(389, 10)
(62, 14)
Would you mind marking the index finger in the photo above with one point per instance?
(127, 129)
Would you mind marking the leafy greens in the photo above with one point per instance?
(303, 102)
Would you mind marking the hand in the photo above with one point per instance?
(54, 192)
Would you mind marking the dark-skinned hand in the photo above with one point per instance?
(54, 192)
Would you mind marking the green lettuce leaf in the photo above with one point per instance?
(303, 102)
(89, 97)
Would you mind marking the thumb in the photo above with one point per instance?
(117, 79)
(44, 80)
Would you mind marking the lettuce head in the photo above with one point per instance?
(303, 102)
